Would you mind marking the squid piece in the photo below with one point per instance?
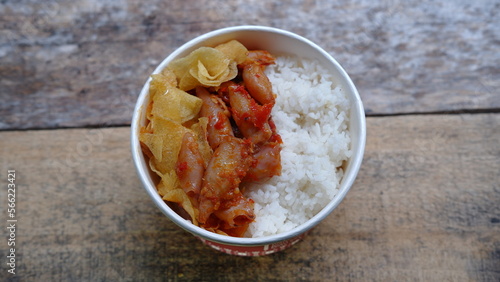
(259, 57)
(237, 216)
(223, 91)
(251, 118)
(258, 84)
(229, 164)
(267, 163)
(190, 166)
(256, 81)
(219, 126)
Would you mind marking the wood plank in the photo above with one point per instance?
(424, 207)
(82, 63)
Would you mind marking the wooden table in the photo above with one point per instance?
(426, 203)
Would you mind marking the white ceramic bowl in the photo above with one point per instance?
(275, 41)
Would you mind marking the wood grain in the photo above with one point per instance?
(424, 208)
(82, 63)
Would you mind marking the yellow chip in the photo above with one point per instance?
(169, 182)
(234, 50)
(162, 188)
(210, 78)
(171, 134)
(154, 142)
(169, 77)
(176, 105)
(169, 190)
(204, 66)
(180, 197)
(160, 82)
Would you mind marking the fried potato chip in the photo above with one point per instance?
(180, 197)
(159, 85)
(210, 78)
(176, 105)
(168, 187)
(169, 182)
(204, 66)
(161, 81)
(154, 143)
(161, 187)
(164, 142)
(234, 50)
(169, 190)
(169, 77)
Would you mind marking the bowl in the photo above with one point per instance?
(275, 41)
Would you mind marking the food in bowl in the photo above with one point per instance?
(210, 129)
(310, 138)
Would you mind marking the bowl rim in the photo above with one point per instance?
(345, 184)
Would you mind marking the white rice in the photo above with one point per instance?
(311, 115)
